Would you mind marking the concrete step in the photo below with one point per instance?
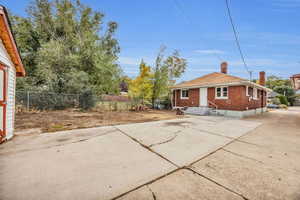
(198, 110)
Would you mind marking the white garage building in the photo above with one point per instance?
(10, 67)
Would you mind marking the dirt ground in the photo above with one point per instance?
(51, 121)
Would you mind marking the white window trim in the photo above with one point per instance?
(255, 94)
(247, 91)
(181, 97)
(221, 97)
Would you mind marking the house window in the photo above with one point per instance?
(249, 91)
(184, 94)
(221, 92)
(254, 93)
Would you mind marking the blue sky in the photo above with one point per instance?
(269, 32)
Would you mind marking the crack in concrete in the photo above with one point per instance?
(230, 142)
(242, 156)
(212, 133)
(153, 194)
(169, 140)
(215, 182)
(228, 137)
(147, 183)
(180, 168)
(57, 145)
(261, 162)
(250, 143)
(146, 147)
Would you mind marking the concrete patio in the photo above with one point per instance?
(190, 158)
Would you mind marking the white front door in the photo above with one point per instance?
(203, 96)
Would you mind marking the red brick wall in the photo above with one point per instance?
(192, 101)
(237, 99)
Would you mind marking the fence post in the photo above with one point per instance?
(28, 100)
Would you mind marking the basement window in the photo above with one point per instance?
(184, 94)
(221, 92)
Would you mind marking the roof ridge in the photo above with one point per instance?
(211, 78)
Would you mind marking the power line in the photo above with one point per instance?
(236, 38)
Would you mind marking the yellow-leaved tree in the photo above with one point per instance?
(141, 88)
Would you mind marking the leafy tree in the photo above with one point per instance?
(65, 48)
(282, 87)
(283, 100)
(274, 81)
(141, 88)
(165, 70)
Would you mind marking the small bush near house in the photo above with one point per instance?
(87, 100)
(283, 100)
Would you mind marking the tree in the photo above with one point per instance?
(282, 87)
(140, 88)
(274, 81)
(61, 44)
(165, 70)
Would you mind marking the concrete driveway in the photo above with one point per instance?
(190, 158)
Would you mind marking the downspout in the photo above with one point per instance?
(175, 98)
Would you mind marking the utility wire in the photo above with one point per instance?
(237, 39)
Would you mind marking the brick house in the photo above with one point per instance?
(228, 95)
(295, 80)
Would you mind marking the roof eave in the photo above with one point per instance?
(257, 86)
(206, 85)
(18, 61)
(224, 84)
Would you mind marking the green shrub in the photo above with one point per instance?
(283, 100)
(276, 101)
(87, 100)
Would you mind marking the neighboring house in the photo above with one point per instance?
(10, 67)
(229, 95)
(295, 79)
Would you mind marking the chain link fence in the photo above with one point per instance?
(29, 100)
(46, 100)
(33, 100)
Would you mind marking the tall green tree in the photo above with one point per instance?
(282, 87)
(165, 71)
(64, 42)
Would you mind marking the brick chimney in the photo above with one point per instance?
(224, 67)
(262, 78)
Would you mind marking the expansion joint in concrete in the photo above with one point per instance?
(146, 147)
(215, 182)
(153, 194)
(242, 156)
(146, 184)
